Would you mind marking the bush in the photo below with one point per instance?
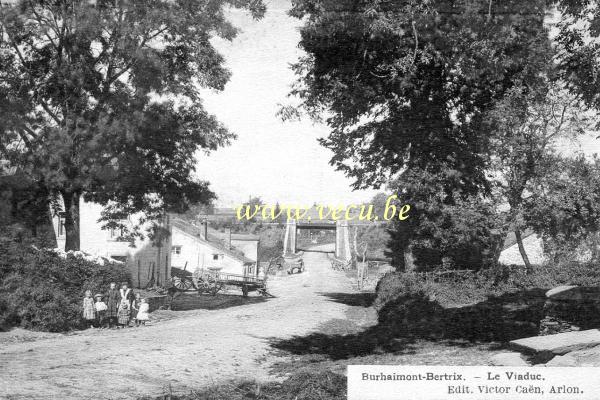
(480, 285)
(496, 304)
(394, 284)
(40, 290)
(267, 253)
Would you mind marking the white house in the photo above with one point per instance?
(146, 261)
(194, 248)
(247, 244)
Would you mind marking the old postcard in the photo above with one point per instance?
(300, 199)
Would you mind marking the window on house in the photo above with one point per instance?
(215, 257)
(117, 233)
(176, 249)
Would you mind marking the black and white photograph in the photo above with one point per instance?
(300, 199)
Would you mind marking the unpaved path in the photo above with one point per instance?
(199, 348)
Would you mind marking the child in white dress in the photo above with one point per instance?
(142, 314)
(89, 313)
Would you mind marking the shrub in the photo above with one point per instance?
(480, 285)
(40, 290)
(393, 285)
(267, 253)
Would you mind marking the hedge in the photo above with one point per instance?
(41, 290)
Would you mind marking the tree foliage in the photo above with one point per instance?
(413, 93)
(407, 82)
(101, 99)
(564, 210)
(528, 127)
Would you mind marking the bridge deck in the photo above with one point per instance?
(316, 225)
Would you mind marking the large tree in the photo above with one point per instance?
(565, 210)
(101, 99)
(407, 82)
(406, 87)
(528, 129)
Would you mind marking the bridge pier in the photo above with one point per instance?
(342, 238)
(289, 241)
(342, 241)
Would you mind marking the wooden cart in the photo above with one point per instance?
(290, 264)
(181, 279)
(295, 265)
(212, 281)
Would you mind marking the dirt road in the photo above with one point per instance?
(197, 348)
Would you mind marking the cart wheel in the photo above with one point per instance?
(203, 286)
(182, 284)
(214, 288)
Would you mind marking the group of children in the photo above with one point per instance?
(120, 309)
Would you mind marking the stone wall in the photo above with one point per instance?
(570, 308)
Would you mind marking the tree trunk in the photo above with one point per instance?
(71, 201)
(409, 260)
(522, 249)
(595, 247)
(498, 245)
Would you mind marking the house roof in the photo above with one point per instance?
(223, 211)
(244, 236)
(511, 239)
(212, 241)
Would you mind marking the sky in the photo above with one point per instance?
(278, 161)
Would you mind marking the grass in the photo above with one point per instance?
(323, 385)
(418, 352)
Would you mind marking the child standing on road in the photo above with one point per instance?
(142, 314)
(89, 313)
(112, 302)
(100, 307)
(135, 305)
(123, 314)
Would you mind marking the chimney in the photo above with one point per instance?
(205, 228)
